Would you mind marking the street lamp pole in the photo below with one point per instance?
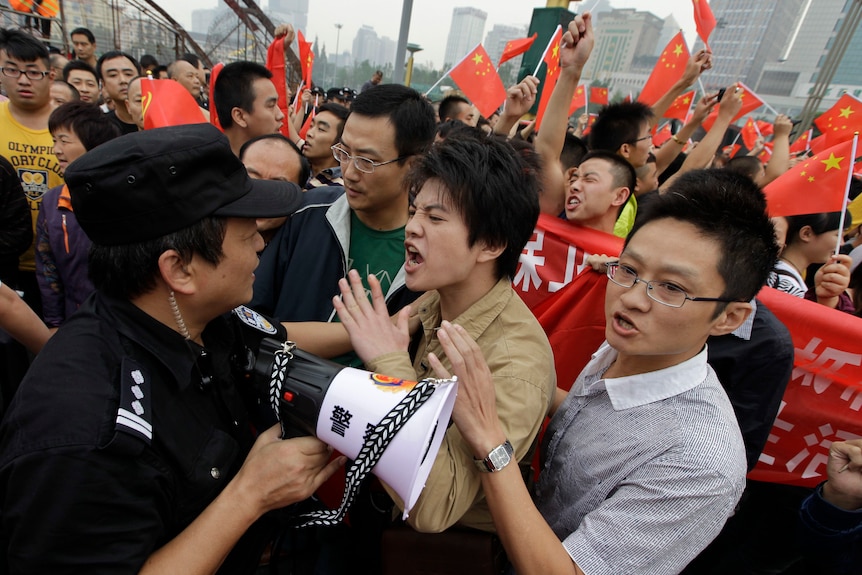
(337, 41)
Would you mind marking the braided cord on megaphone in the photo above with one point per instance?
(372, 450)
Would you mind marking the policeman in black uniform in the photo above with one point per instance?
(129, 446)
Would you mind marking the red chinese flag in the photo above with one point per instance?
(662, 136)
(166, 103)
(839, 122)
(816, 185)
(704, 20)
(275, 63)
(749, 134)
(478, 79)
(750, 102)
(732, 150)
(766, 153)
(599, 95)
(306, 58)
(307, 124)
(552, 61)
(802, 142)
(579, 100)
(213, 77)
(765, 128)
(516, 48)
(818, 144)
(668, 69)
(679, 108)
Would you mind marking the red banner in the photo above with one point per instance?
(823, 399)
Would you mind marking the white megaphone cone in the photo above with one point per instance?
(344, 406)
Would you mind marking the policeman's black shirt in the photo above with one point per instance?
(117, 439)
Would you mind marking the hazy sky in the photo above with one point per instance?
(429, 25)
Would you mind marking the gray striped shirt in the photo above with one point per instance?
(640, 473)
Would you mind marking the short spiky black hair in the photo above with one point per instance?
(408, 112)
(730, 209)
(234, 88)
(24, 47)
(618, 124)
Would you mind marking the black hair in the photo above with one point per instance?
(127, 271)
(409, 113)
(158, 70)
(573, 152)
(148, 61)
(234, 88)
(78, 65)
(86, 32)
(748, 166)
(729, 209)
(110, 55)
(338, 111)
(451, 127)
(191, 59)
(449, 106)
(619, 124)
(88, 122)
(24, 47)
(819, 223)
(304, 164)
(492, 187)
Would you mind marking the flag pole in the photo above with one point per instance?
(443, 77)
(846, 192)
(542, 59)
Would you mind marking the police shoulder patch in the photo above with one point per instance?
(253, 319)
(135, 414)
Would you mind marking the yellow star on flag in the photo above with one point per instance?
(678, 50)
(811, 179)
(845, 112)
(556, 51)
(832, 162)
(477, 58)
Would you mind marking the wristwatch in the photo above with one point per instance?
(495, 461)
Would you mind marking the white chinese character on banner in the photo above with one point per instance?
(571, 269)
(817, 361)
(528, 273)
(823, 439)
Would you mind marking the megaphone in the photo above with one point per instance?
(357, 411)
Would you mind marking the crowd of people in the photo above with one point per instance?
(381, 230)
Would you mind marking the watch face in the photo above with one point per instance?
(499, 457)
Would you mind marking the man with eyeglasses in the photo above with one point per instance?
(360, 226)
(643, 460)
(24, 137)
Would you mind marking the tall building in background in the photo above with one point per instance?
(368, 46)
(623, 36)
(748, 35)
(787, 80)
(292, 11)
(468, 25)
(670, 29)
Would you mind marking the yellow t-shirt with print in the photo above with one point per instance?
(31, 153)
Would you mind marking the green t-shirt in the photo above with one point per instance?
(373, 252)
